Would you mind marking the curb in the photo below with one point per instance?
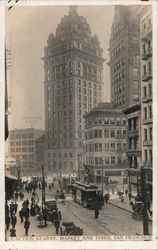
(125, 209)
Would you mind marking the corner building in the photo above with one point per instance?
(73, 66)
(105, 144)
(124, 57)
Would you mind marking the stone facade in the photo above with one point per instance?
(73, 66)
(124, 57)
(145, 16)
(22, 148)
(105, 143)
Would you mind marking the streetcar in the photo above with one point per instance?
(88, 195)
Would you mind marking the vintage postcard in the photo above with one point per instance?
(79, 141)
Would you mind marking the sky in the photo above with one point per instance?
(27, 30)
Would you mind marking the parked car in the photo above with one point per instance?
(51, 205)
(68, 228)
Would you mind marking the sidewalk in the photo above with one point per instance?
(115, 201)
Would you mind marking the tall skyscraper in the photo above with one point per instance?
(124, 57)
(73, 66)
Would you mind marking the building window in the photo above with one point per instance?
(95, 133)
(145, 113)
(106, 160)
(100, 133)
(113, 146)
(112, 133)
(96, 147)
(100, 147)
(145, 134)
(96, 160)
(150, 155)
(112, 160)
(150, 134)
(106, 133)
(145, 155)
(106, 146)
(150, 111)
(150, 89)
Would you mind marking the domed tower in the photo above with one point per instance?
(73, 66)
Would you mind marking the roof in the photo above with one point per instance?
(133, 108)
(103, 107)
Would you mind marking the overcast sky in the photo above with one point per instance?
(27, 30)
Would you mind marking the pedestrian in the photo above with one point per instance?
(106, 198)
(122, 198)
(57, 225)
(52, 184)
(26, 226)
(96, 213)
(12, 232)
(11, 209)
(26, 212)
(7, 221)
(21, 215)
(126, 192)
(49, 187)
(13, 221)
(15, 207)
(130, 196)
(27, 202)
(45, 212)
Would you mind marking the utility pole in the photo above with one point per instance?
(102, 178)
(144, 201)
(43, 188)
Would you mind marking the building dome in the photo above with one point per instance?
(73, 22)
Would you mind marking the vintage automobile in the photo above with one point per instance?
(69, 228)
(51, 205)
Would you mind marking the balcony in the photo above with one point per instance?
(147, 33)
(133, 152)
(147, 76)
(147, 143)
(147, 164)
(147, 54)
(147, 98)
(133, 133)
(147, 121)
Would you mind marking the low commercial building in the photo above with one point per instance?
(105, 143)
(22, 148)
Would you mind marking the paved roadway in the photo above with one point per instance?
(111, 221)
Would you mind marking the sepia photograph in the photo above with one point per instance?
(78, 151)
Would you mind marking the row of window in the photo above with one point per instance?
(13, 150)
(148, 134)
(21, 143)
(147, 112)
(65, 155)
(106, 133)
(98, 120)
(61, 165)
(147, 68)
(119, 101)
(23, 157)
(104, 161)
(147, 90)
(99, 147)
(21, 136)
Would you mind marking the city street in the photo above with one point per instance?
(112, 220)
